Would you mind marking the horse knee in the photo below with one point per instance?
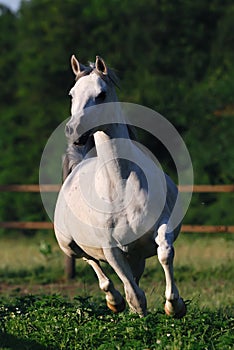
(165, 254)
(105, 285)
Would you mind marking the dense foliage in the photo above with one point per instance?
(175, 57)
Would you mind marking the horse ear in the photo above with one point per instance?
(75, 65)
(101, 66)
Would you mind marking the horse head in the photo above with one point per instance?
(94, 85)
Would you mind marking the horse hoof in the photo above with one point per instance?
(118, 307)
(179, 313)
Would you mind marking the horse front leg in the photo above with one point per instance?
(114, 299)
(134, 295)
(174, 305)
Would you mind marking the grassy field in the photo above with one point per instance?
(40, 310)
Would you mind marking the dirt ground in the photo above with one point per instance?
(69, 289)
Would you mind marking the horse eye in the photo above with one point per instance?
(101, 96)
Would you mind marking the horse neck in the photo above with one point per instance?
(109, 150)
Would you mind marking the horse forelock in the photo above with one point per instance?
(111, 77)
(84, 72)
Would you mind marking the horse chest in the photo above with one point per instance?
(97, 211)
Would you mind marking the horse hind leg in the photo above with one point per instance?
(114, 300)
(137, 267)
(174, 305)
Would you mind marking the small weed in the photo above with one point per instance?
(45, 249)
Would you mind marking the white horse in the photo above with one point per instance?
(107, 210)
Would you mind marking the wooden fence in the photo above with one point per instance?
(55, 188)
(70, 262)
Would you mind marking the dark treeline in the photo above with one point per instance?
(174, 57)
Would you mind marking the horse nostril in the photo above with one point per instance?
(69, 130)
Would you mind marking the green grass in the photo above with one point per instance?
(30, 259)
(40, 310)
(54, 322)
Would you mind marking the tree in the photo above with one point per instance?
(176, 58)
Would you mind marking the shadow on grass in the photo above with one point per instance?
(11, 342)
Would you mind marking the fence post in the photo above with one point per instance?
(70, 267)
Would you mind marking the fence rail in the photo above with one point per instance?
(70, 270)
(36, 225)
(55, 188)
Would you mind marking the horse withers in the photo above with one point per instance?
(115, 204)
